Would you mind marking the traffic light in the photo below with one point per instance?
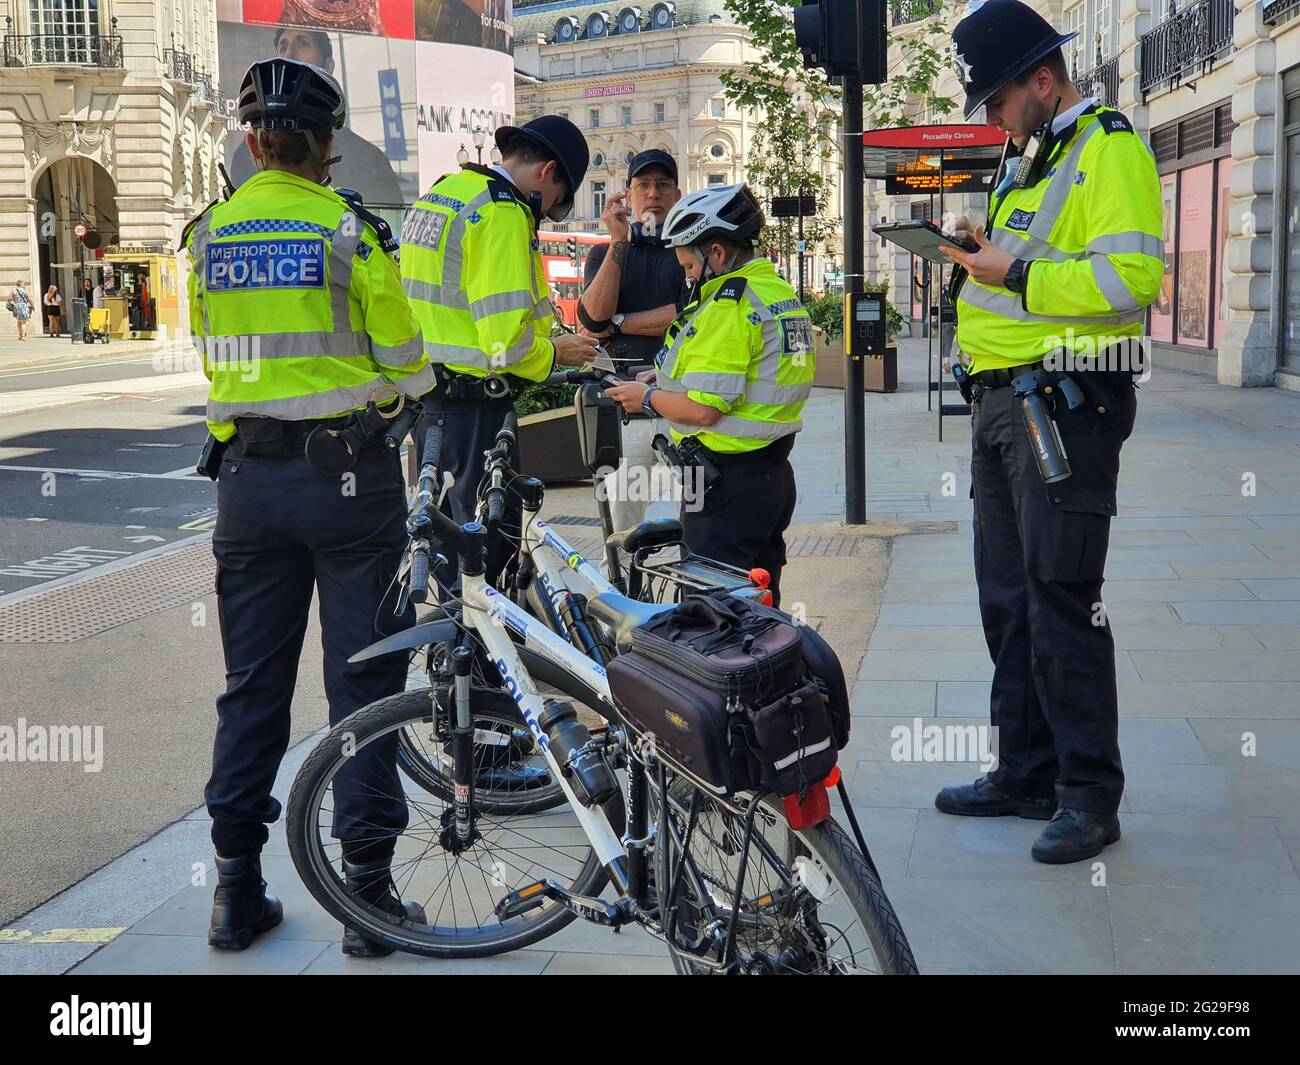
(573, 253)
(826, 32)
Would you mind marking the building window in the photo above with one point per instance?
(66, 29)
(717, 179)
(598, 198)
(1194, 157)
(598, 161)
(718, 107)
(627, 159)
(717, 151)
(659, 112)
(625, 115)
(594, 117)
(597, 26)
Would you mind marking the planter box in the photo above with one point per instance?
(548, 447)
(881, 374)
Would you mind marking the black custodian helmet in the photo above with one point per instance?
(996, 43)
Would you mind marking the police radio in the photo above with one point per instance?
(864, 324)
(1030, 167)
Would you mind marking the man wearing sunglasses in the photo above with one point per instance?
(633, 292)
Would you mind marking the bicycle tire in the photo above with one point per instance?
(860, 886)
(324, 882)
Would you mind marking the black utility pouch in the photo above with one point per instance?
(792, 741)
(262, 437)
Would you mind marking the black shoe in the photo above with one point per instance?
(241, 908)
(373, 883)
(986, 799)
(1075, 835)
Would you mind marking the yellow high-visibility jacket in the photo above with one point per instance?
(1091, 228)
(296, 311)
(473, 270)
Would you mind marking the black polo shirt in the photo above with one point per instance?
(652, 277)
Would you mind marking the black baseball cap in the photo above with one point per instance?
(651, 157)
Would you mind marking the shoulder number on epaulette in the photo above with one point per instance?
(732, 290)
(1114, 122)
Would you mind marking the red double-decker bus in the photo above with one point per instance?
(562, 275)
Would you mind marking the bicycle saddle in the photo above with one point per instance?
(622, 614)
(658, 532)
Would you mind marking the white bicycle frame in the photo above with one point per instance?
(490, 614)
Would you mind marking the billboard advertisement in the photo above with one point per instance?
(419, 77)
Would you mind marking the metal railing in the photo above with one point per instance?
(901, 12)
(179, 64)
(1102, 81)
(63, 49)
(1186, 44)
(1274, 11)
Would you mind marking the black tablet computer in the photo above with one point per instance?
(923, 238)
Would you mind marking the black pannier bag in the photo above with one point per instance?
(824, 664)
(724, 688)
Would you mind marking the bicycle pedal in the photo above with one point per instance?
(598, 911)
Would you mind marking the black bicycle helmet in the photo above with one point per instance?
(284, 93)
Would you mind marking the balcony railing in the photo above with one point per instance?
(63, 49)
(1102, 81)
(902, 12)
(1186, 44)
(179, 64)
(1274, 10)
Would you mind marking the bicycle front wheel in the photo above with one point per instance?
(457, 884)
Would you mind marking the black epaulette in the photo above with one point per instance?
(189, 226)
(1114, 122)
(388, 243)
(732, 289)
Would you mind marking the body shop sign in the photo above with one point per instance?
(609, 90)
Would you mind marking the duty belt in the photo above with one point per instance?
(1002, 378)
(459, 386)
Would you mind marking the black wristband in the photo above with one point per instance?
(596, 325)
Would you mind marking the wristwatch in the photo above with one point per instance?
(647, 408)
(617, 324)
(1017, 277)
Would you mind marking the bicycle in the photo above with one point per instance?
(723, 881)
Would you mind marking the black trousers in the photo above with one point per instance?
(1040, 556)
(469, 428)
(743, 515)
(283, 530)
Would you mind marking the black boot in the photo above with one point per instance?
(373, 883)
(241, 908)
(986, 799)
(1075, 835)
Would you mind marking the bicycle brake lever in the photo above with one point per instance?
(448, 480)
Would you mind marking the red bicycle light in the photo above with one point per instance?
(760, 577)
(814, 809)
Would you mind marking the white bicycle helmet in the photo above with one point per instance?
(723, 212)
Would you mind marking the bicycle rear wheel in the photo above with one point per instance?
(810, 904)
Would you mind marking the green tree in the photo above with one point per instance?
(794, 108)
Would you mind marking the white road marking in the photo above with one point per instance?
(83, 365)
(65, 395)
(111, 475)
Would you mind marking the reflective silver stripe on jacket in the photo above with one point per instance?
(747, 428)
(1112, 286)
(1053, 202)
(398, 354)
(1006, 305)
(1131, 243)
(442, 295)
(500, 302)
(343, 247)
(457, 354)
(297, 408)
(449, 293)
(417, 384)
(240, 350)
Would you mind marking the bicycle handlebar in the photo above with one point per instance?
(419, 587)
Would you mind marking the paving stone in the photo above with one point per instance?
(141, 955)
(1249, 787)
(1252, 612)
(1192, 930)
(1269, 741)
(890, 698)
(925, 665)
(1216, 666)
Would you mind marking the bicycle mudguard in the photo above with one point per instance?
(439, 631)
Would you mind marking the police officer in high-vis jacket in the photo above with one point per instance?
(310, 348)
(472, 267)
(731, 381)
(1050, 310)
